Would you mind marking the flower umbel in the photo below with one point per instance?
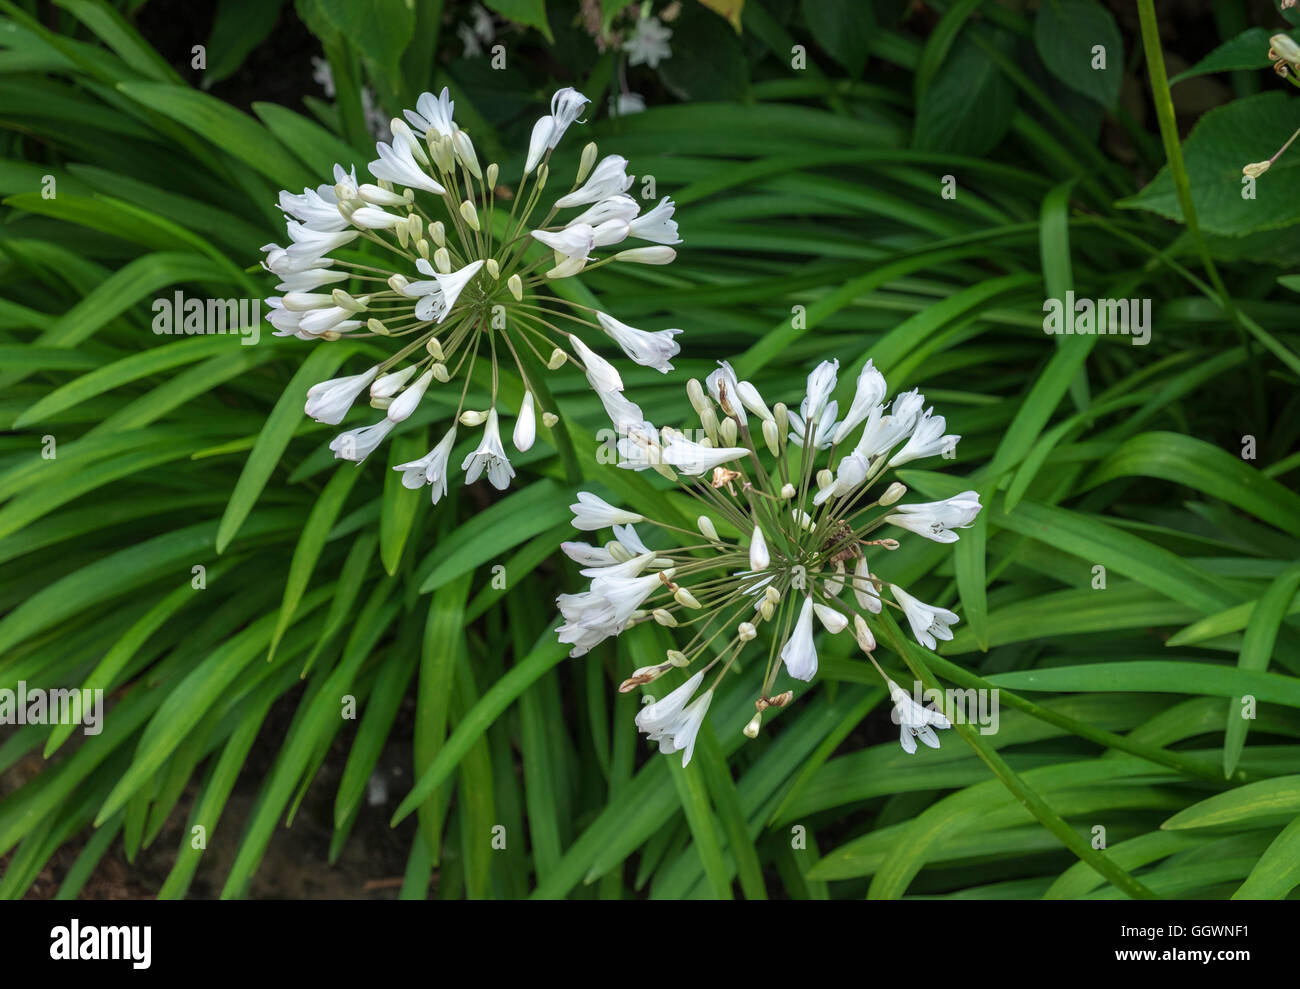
(788, 539)
(441, 259)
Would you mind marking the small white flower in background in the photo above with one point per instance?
(648, 43)
(914, 721)
(785, 530)
(452, 286)
(478, 33)
(375, 119)
(626, 104)
(322, 75)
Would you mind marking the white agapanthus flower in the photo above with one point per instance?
(788, 538)
(648, 43)
(914, 720)
(435, 255)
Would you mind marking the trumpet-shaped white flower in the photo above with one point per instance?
(397, 164)
(657, 717)
(600, 372)
(695, 458)
(927, 439)
(915, 721)
(575, 241)
(609, 178)
(330, 400)
(936, 519)
(357, 444)
(431, 469)
(433, 113)
(649, 349)
(593, 512)
(490, 457)
(928, 622)
(658, 225)
(681, 734)
(821, 385)
(868, 395)
(621, 207)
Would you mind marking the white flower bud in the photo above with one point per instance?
(469, 214)
(866, 641)
(584, 164)
(893, 493)
(759, 558)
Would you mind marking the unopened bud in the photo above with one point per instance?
(469, 214)
(1255, 169)
(465, 152)
(728, 431)
(435, 349)
(746, 631)
(558, 357)
(678, 658)
(893, 493)
(472, 418)
(493, 269)
(516, 285)
(647, 255)
(771, 437)
(441, 373)
(755, 723)
(866, 641)
(664, 617)
(695, 393)
(549, 419)
(376, 327)
(788, 491)
(442, 260)
(707, 529)
(685, 598)
(584, 164)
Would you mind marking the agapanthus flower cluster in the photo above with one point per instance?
(455, 276)
(795, 529)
